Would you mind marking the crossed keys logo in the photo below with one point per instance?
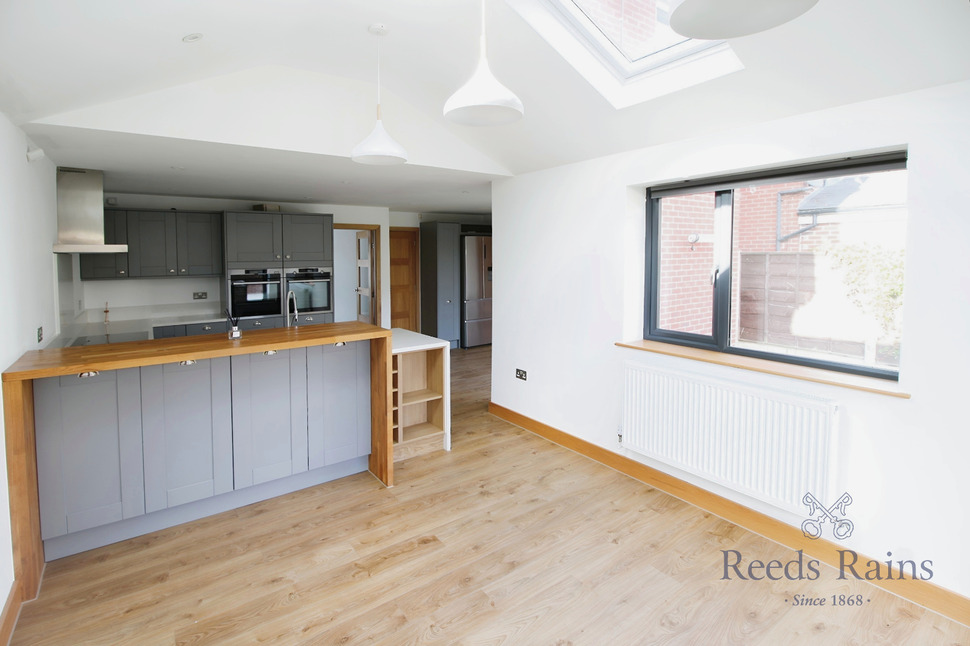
(841, 526)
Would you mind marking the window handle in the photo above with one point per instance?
(715, 271)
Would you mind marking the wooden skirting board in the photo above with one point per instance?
(924, 593)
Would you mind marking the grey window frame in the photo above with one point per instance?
(723, 186)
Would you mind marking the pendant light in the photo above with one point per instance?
(379, 149)
(721, 19)
(482, 100)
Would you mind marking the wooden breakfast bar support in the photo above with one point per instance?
(18, 410)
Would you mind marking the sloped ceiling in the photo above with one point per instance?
(268, 105)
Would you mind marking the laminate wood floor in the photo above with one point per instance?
(508, 539)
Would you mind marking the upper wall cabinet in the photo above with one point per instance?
(108, 265)
(259, 239)
(160, 244)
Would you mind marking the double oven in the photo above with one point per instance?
(288, 296)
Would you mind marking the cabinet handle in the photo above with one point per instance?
(206, 327)
(277, 256)
(182, 270)
(288, 256)
(121, 271)
(307, 318)
(171, 271)
(89, 373)
(269, 353)
(256, 324)
(187, 362)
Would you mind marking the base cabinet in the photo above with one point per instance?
(120, 448)
(338, 421)
(420, 394)
(187, 430)
(269, 416)
(89, 450)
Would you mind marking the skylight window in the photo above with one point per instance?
(635, 33)
(626, 48)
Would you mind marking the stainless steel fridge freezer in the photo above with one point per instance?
(476, 291)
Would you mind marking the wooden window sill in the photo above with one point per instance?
(817, 375)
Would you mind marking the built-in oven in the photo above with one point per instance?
(310, 289)
(255, 292)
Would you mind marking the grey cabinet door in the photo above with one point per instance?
(187, 430)
(152, 249)
(440, 280)
(338, 403)
(307, 239)
(212, 327)
(199, 243)
(254, 240)
(269, 416)
(89, 450)
(108, 265)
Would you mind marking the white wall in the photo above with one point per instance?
(569, 283)
(28, 219)
(342, 214)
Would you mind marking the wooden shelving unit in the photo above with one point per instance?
(421, 394)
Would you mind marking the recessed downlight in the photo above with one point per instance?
(191, 38)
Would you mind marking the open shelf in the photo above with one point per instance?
(421, 416)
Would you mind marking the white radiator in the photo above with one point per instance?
(772, 445)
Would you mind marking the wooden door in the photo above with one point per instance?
(365, 277)
(404, 279)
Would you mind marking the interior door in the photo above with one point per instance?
(365, 277)
(404, 279)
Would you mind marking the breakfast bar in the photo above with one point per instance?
(139, 365)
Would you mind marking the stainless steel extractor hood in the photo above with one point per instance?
(80, 213)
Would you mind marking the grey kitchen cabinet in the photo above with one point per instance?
(307, 239)
(210, 327)
(198, 238)
(167, 331)
(152, 244)
(441, 280)
(312, 319)
(338, 413)
(254, 240)
(187, 429)
(89, 450)
(269, 413)
(258, 239)
(261, 323)
(108, 265)
(174, 243)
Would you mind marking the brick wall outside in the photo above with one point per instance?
(627, 24)
(686, 298)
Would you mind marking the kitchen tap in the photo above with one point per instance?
(290, 296)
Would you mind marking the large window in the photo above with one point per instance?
(803, 264)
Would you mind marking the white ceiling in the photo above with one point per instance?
(268, 105)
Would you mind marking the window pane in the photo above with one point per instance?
(637, 28)
(685, 299)
(818, 268)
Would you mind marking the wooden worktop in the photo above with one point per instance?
(53, 362)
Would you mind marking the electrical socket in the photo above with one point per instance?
(200, 295)
(520, 374)
(40, 334)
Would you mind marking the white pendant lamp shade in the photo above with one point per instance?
(379, 148)
(482, 100)
(721, 19)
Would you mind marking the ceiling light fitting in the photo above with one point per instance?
(722, 19)
(378, 148)
(482, 100)
(192, 38)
